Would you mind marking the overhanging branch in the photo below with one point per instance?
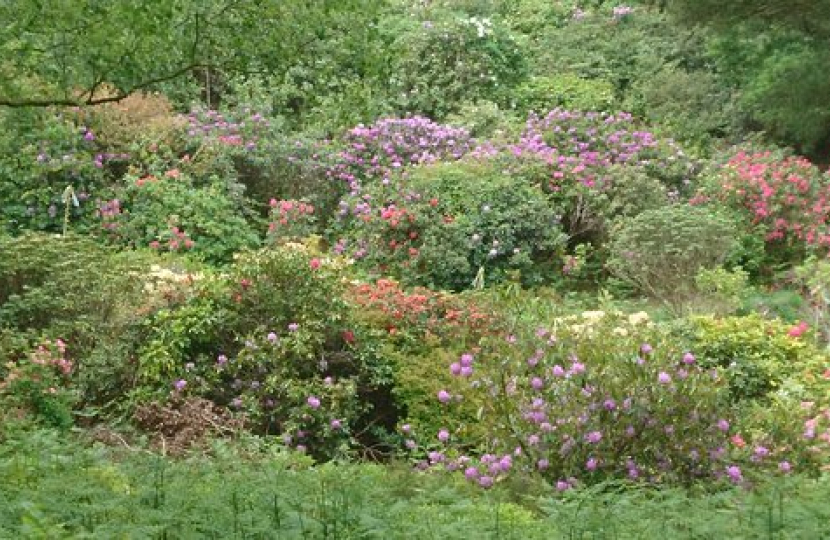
(91, 99)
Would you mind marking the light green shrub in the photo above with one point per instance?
(660, 251)
(565, 90)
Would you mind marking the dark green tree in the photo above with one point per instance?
(777, 52)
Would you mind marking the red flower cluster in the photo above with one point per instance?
(290, 218)
(178, 239)
(400, 228)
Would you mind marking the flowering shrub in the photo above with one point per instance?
(285, 384)
(323, 173)
(596, 168)
(38, 384)
(593, 168)
(418, 313)
(621, 12)
(431, 397)
(167, 286)
(453, 222)
(40, 155)
(578, 146)
(373, 153)
(531, 17)
(786, 199)
(94, 298)
(290, 220)
(294, 167)
(167, 212)
(590, 399)
(425, 328)
(274, 341)
(238, 129)
(220, 310)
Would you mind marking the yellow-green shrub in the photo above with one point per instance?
(419, 378)
(760, 356)
(566, 90)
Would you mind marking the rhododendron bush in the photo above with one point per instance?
(444, 223)
(787, 200)
(447, 223)
(588, 162)
(274, 341)
(170, 211)
(596, 396)
(419, 313)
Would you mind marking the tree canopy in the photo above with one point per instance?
(809, 16)
(73, 52)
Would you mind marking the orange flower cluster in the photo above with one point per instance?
(420, 309)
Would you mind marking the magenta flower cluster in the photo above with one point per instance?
(212, 126)
(579, 148)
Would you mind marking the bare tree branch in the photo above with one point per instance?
(91, 99)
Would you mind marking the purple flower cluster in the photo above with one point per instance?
(213, 126)
(620, 12)
(377, 152)
(580, 147)
(81, 154)
(110, 213)
(654, 421)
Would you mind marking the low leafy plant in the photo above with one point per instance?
(256, 488)
(565, 90)
(721, 291)
(813, 278)
(759, 356)
(38, 385)
(485, 119)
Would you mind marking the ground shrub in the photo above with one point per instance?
(565, 90)
(760, 356)
(168, 213)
